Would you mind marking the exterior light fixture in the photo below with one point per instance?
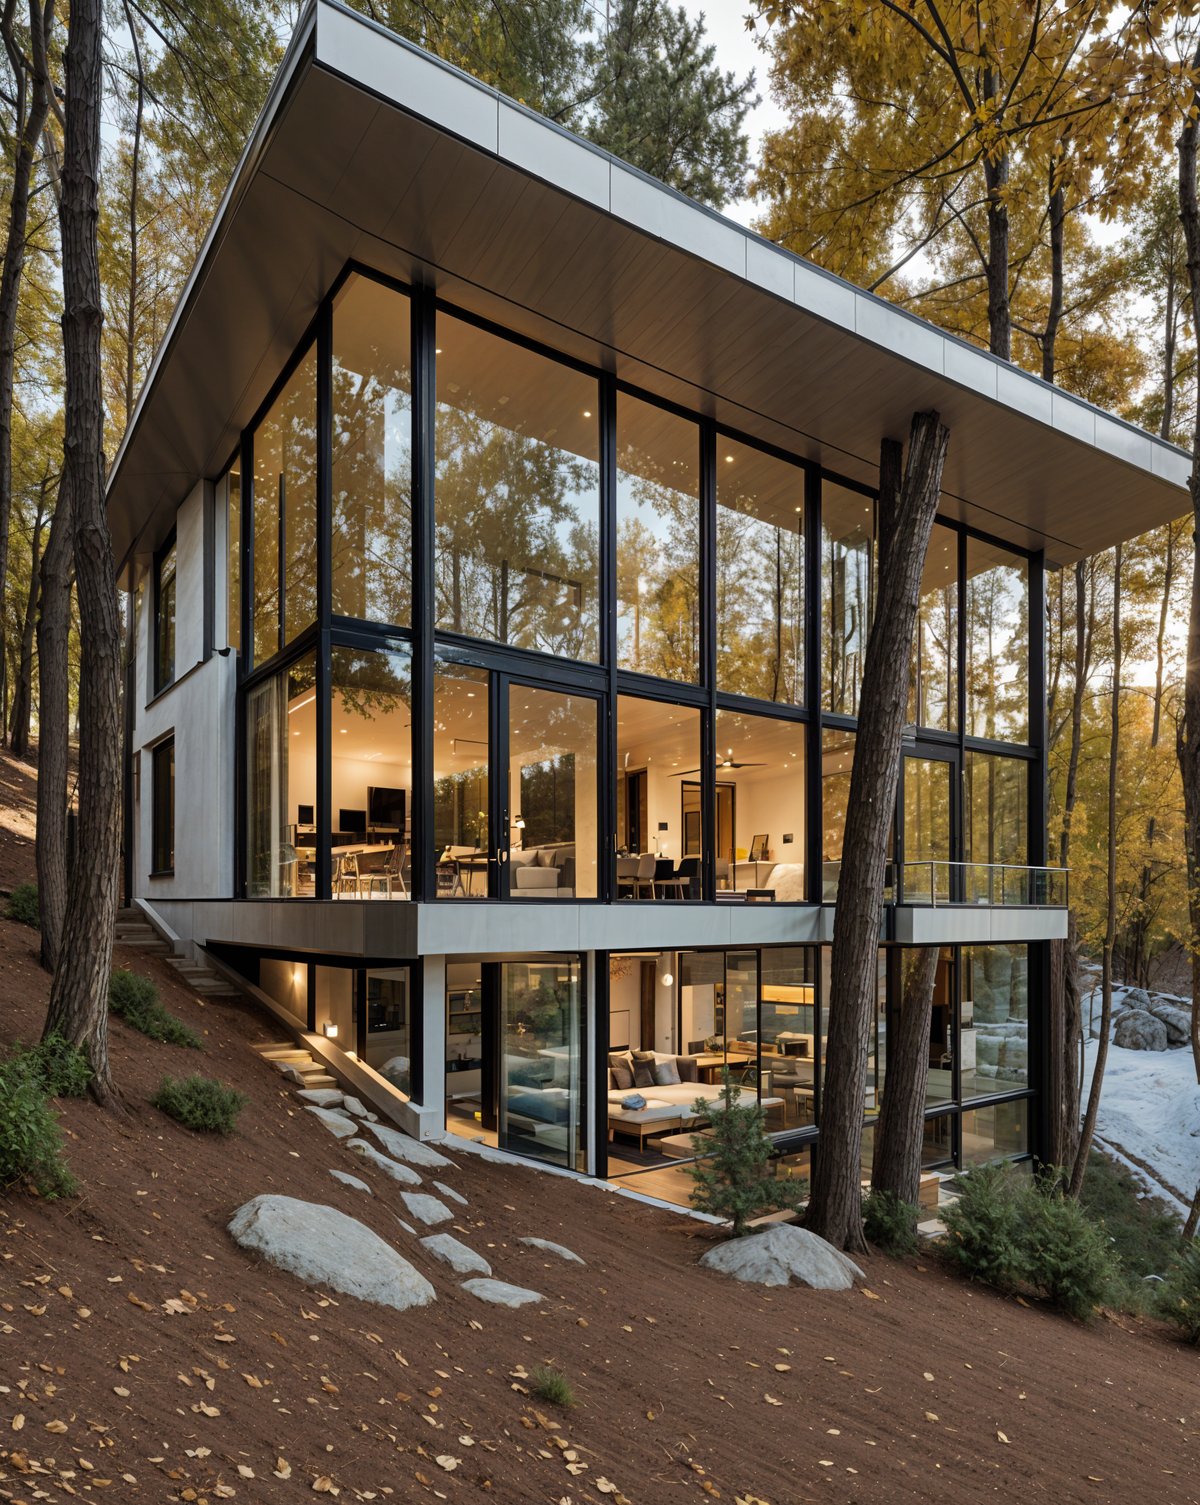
(329, 1030)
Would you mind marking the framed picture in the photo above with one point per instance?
(691, 833)
(758, 849)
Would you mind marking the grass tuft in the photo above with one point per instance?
(200, 1103)
(552, 1386)
(135, 999)
(22, 906)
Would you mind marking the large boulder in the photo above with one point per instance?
(1178, 1022)
(404, 1147)
(453, 1252)
(1136, 998)
(782, 1254)
(1138, 1031)
(325, 1247)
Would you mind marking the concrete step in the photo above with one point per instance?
(324, 1080)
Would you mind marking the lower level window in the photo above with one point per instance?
(163, 823)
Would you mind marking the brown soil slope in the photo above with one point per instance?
(143, 1356)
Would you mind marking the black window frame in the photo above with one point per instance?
(163, 680)
(162, 808)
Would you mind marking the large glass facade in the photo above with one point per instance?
(371, 442)
(285, 513)
(658, 541)
(281, 775)
(761, 818)
(541, 1110)
(552, 794)
(847, 593)
(995, 1020)
(659, 808)
(516, 495)
(760, 574)
(933, 688)
(996, 828)
(461, 778)
(997, 661)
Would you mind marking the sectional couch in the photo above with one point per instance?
(669, 1103)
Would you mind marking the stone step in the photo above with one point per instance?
(288, 1055)
(319, 1081)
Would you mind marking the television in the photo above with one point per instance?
(386, 807)
(304, 815)
(352, 820)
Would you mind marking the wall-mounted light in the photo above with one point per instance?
(329, 1030)
(668, 979)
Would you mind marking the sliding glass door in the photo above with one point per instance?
(540, 1042)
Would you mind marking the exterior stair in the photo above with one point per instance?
(287, 1059)
(133, 929)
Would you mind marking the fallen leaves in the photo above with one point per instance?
(447, 1461)
(18, 1421)
(1000, 1437)
(282, 1469)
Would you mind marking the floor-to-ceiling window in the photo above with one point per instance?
(542, 1100)
(997, 662)
(847, 593)
(552, 797)
(285, 513)
(759, 777)
(659, 806)
(281, 774)
(461, 776)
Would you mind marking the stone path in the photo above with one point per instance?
(426, 1209)
(500, 1293)
(548, 1247)
(453, 1252)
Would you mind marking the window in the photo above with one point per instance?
(372, 454)
(164, 616)
(552, 747)
(163, 814)
(760, 574)
(285, 513)
(461, 771)
(995, 1020)
(658, 798)
(847, 593)
(996, 813)
(233, 557)
(997, 667)
(658, 541)
(281, 781)
(933, 687)
(760, 794)
(516, 495)
(998, 1132)
(837, 763)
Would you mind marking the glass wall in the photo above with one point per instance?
(388, 1046)
(996, 820)
(460, 780)
(995, 1020)
(371, 772)
(997, 666)
(658, 541)
(516, 495)
(877, 1046)
(372, 454)
(847, 593)
(553, 787)
(837, 761)
(658, 804)
(760, 804)
(285, 513)
(542, 1106)
(233, 557)
(787, 1031)
(928, 830)
(933, 689)
(760, 574)
(281, 776)
(997, 1132)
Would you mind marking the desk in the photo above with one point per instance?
(471, 866)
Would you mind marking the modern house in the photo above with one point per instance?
(499, 527)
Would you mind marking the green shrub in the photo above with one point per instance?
(731, 1175)
(62, 1068)
(1144, 1232)
(30, 1137)
(890, 1223)
(135, 999)
(984, 1233)
(22, 906)
(1068, 1258)
(551, 1385)
(200, 1103)
(1179, 1295)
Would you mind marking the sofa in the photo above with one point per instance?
(784, 879)
(669, 1104)
(543, 872)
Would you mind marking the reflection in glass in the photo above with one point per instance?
(996, 816)
(552, 747)
(542, 1098)
(787, 1031)
(995, 1133)
(933, 688)
(389, 1040)
(927, 830)
(460, 780)
(760, 804)
(997, 666)
(372, 454)
(371, 772)
(837, 761)
(939, 1085)
(659, 811)
(517, 495)
(658, 541)
(995, 1019)
(281, 780)
(877, 1030)
(760, 574)
(233, 557)
(164, 626)
(847, 593)
(285, 491)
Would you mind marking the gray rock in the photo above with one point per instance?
(356, 1106)
(551, 1248)
(337, 1123)
(782, 1254)
(392, 1168)
(1138, 1031)
(408, 1227)
(1137, 998)
(348, 1180)
(325, 1247)
(405, 1148)
(453, 1252)
(289, 1073)
(321, 1097)
(448, 1191)
(500, 1293)
(426, 1209)
(1178, 1022)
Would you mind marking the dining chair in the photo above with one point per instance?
(347, 873)
(643, 879)
(391, 872)
(665, 877)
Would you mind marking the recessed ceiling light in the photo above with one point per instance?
(587, 412)
(729, 459)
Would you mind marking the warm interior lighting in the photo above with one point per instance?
(668, 979)
(329, 1030)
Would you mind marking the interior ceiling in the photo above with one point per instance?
(343, 176)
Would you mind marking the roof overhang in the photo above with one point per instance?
(369, 149)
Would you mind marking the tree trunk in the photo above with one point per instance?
(995, 177)
(1066, 1032)
(906, 514)
(54, 714)
(79, 993)
(23, 686)
(31, 79)
(1188, 739)
(1110, 923)
(1193, 1218)
(896, 1163)
(1058, 214)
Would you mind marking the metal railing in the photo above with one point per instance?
(935, 883)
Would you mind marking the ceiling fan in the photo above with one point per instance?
(727, 762)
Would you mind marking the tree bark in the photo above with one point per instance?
(896, 1162)
(906, 514)
(1110, 923)
(79, 993)
(54, 714)
(1058, 215)
(995, 177)
(23, 687)
(1066, 1033)
(31, 77)
(1193, 1218)
(1188, 737)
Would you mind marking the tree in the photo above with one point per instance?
(78, 1009)
(896, 1161)
(908, 503)
(730, 1174)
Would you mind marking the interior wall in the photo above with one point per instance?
(287, 983)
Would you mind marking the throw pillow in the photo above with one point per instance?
(643, 1068)
(666, 1074)
(688, 1070)
(622, 1075)
(634, 1102)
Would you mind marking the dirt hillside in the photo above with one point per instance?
(143, 1356)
